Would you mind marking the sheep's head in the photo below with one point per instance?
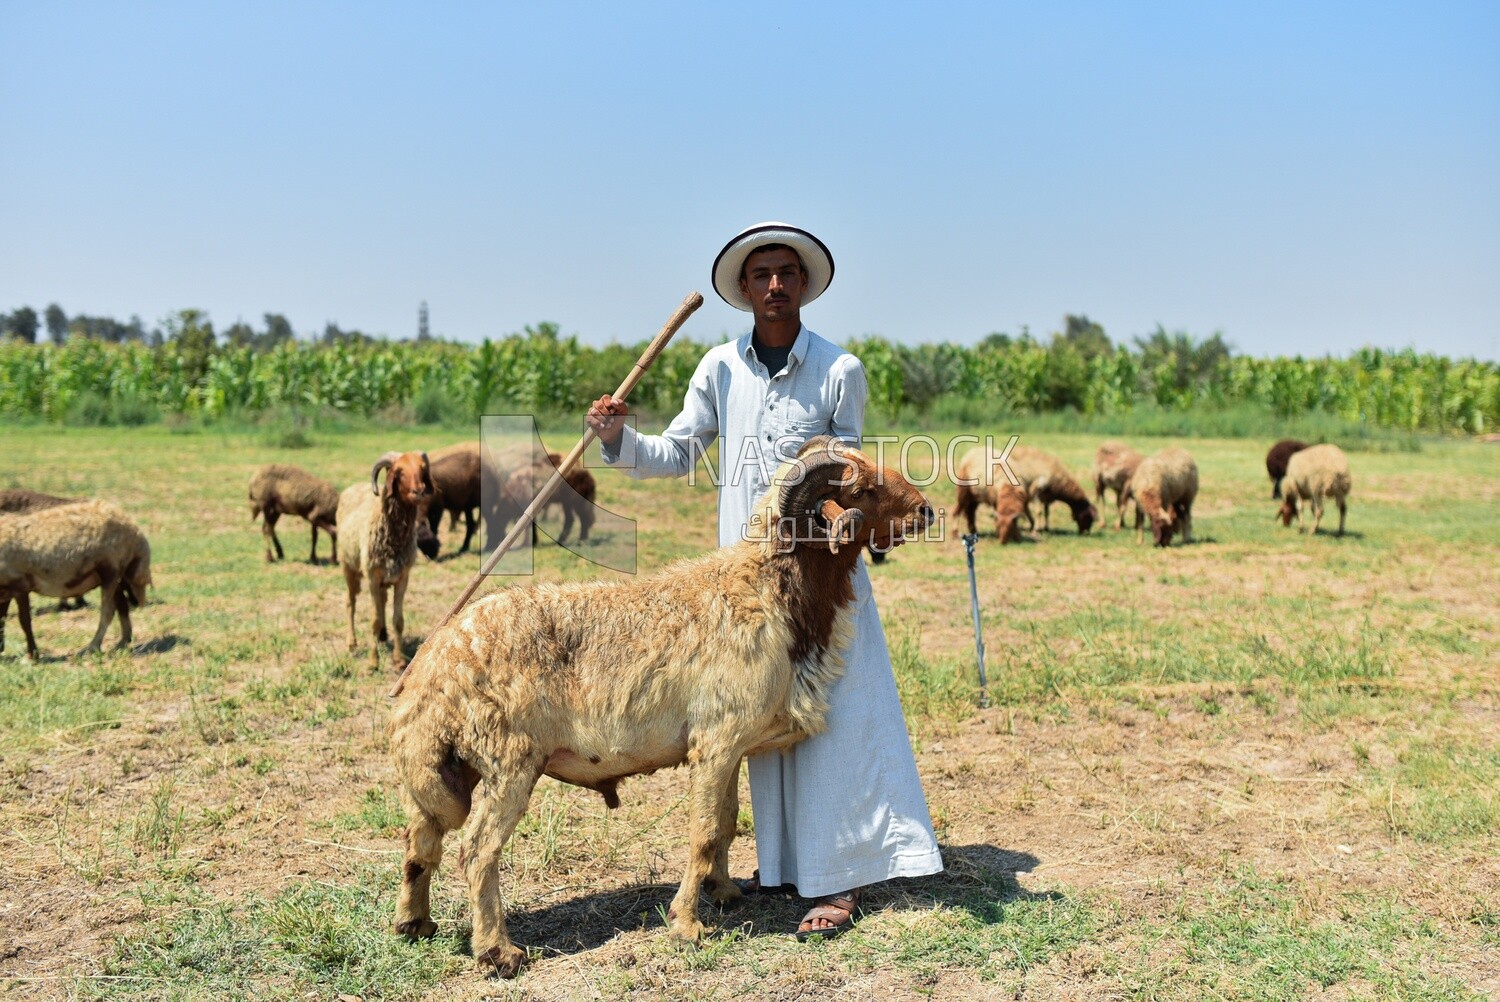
(834, 495)
(138, 577)
(1085, 515)
(1163, 519)
(1288, 509)
(1010, 502)
(410, 477)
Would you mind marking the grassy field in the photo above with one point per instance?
(1263, 766)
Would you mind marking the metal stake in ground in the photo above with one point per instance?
(984, 691)
(691, 303)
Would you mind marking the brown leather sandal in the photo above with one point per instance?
(838, 909)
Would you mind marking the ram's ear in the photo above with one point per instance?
(843, 523)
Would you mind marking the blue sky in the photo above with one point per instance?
(1302, 177)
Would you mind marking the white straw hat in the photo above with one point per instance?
(731, 260)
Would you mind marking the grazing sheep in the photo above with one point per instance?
(20, 501)
(1164, 487)
(68, 550)
(993, 489)
(1313, 474)
(575, 497)
(1276, 461)
(457, 488)
(1114, 463)
(277, 490)
(377, 533)
(711, 660)
(1044, 478)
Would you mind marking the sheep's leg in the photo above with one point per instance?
(4, 612)
(567, 523)
(398, 622)
(351, 580)
(123, 607)
(1187, 526)
(1317, 510)
(23, 613)
(312, 557)
(1140, 531)
(720, 885)
(966, 505)
(1046, 516)
(378, 632)
(491, 823)
(711, 772)
(424, 851)
(1030, 521)
(470, 525)
(268, 530)
(108, 597)
(1342, 509)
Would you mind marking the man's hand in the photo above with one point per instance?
(606, 418)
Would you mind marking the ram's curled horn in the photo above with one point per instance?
(802, 495)
(839, 520)
(383, 463)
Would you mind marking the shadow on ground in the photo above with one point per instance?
(979, 879)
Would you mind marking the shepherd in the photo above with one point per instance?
(844, 809)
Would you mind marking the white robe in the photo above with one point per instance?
(844, 808)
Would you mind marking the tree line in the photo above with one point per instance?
(25, 325)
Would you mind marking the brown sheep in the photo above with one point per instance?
(1313, 474)
(1164, 487)
(575, 496)
(1114, 463)
(1276, 460)
(1044, 478)
(377, 530)
(277, 489)
(711, 660)
(20, 501)
(68, 550)
(457, 488)
(990, 488)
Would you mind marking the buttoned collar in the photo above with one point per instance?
(793, 358)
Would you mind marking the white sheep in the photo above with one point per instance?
(1312, 475)
(1164, 487)
(66, 551)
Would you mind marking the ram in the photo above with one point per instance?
(709, 661)
(377, 532)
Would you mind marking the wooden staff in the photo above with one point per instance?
(691, 303)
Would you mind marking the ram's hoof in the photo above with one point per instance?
(415, 929)
(505, 961)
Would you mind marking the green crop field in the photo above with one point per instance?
(1261, 766)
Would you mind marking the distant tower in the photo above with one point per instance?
(422, 333)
